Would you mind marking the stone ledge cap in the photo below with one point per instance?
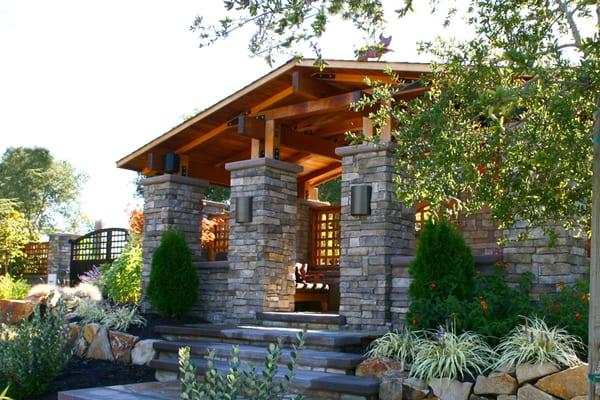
(185, 180)
(363, 148)
(260, 162)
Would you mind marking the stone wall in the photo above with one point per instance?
(481, 233)
(262, 253)
(369, 242)
(304, 232)
(213, 291)
(551, 261)
(59, 257)
(170, 202)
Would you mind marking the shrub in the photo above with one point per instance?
(122, 279)
(445, 354)
(3, 395)
(535, 343)
(118, 318)
(173, 286)
(569, 308)
(442, 276)
(13, 289)
(395, 345)
(33, 352)
(238, 382)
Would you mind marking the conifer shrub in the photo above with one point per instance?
(443, 277)
(173, 286)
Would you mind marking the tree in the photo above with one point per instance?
(42, 188)
(13, 234)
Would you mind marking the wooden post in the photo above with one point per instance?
(255, 149)
(270, 138)
(367, 127)
(594, 321)
(386, 131)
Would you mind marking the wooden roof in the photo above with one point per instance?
(309, 106)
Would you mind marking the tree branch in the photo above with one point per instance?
(571, 21)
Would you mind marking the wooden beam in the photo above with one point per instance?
(312, 107)
(255, 149)
(256, 129)
(218, 176)
(204, 138)
(386, 131)
(322, 174)
(338, 127)
(269, 139)
(367, 126)
(271, 101)
(351, 78)
(240, 155)
(310, 88)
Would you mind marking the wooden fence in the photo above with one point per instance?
(35, 260)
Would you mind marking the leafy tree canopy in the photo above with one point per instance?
(13, 233)
(508, 115)
(42, 188)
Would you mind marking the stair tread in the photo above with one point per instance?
(307, 357)
(307, 380)
(301, 317)
(330, 338)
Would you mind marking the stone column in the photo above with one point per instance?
(369, 242)
(262, 253)
(170, 202)
(562, 259)
(59, 258)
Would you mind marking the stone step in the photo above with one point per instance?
(301, 320)
(330, 340)
(314, 383)
(314, 360)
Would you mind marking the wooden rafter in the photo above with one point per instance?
(310, 88)
(322, 174)
(314, 107)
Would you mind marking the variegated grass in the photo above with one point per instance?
(396, 345)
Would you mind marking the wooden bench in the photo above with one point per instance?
(311, 288)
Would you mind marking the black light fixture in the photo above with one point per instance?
(360, 200)
(243, 209)
(171, 163)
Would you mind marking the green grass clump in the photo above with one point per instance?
(13, 289)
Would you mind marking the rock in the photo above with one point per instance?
(530, 372)
(566, 384)
(495, 383)
(477, 397)
(17, 309)
(376, 367)
(507, 397)
(74, 334)
(580, 398)
(143, 352)
(100, 349)
(90, 331)
(165, 376)
(414, 389)
(121, 345)
(448, 389)
(80, 347)
(390, 387)
(529, 392)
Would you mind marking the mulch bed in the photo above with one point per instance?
(84, 373)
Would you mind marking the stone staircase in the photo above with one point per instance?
(325, 367)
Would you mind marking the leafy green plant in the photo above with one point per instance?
(13, 289)
(89, 311)
(122, 279)
(534, 342)
(240, 382)
(3, 395)
(445, 354)
(173, 286)
(399, 346)
(33, 352)
(442, 276)
(115, 317)
(569, 308)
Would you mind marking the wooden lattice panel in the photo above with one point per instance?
(221, 231)
(326, 237)
(35, 261)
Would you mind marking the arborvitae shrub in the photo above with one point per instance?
(442, 276)
(173, 286)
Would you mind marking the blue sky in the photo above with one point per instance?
(94, 80)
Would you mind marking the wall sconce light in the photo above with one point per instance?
(360, 200)
(243, 209)
(171, 163)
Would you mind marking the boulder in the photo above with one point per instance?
(121, 345)
(74, 334)
(165, 376)
(376, 367)
(495, 384)
(566, 384)
(507, 397)
(390, 387)
(448, 389)
(477, 397)
(529, 392)
(143, 352)
(80, 347)
(17, 309)
(414, 389)
(530, 372)
(100, 348)
(89, 331)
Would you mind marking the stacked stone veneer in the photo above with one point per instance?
(59, 257)
(213, 291)
(262, 253)
(550, 261)
(369, 242)
(481, 233)
(170, 202)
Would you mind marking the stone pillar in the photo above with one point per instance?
(170, 202)
(552, 261)
(262, 253)
(369, 242)
(59, 258)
